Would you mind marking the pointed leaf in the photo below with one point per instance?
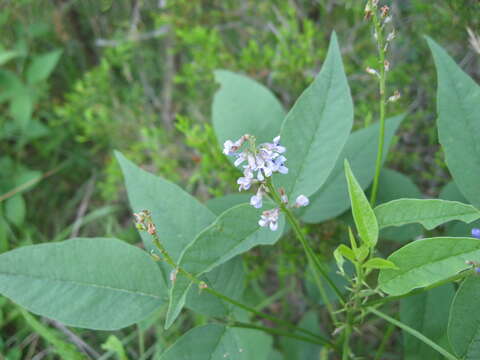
(234, 232)
(362, 212)
(244, 106)
(84, 282)
(317, 127)
(360, 150)
(464, 322)
(428, 212)
(379, 263)
(218, 342)
(42, 66)
(178, 216)
(427, 261)
(458, 107)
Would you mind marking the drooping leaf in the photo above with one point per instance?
(428, 212)
(362, 212)
(178, 216)
(458, 107)
(464, 322)
(42, 65)
(218, 342)
(427, 261)
(228, 279)
(233, 232)
(360, 150)
(95, 283)
(395, 185)
(243, 106)
(426, 312)
(317, 128)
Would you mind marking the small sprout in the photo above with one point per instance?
(394, 97)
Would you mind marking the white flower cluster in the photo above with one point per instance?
(261, 163)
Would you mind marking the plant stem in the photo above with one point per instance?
(141, 341)
(381, 135)
(386, 337)
(278, 332)
(219, 295)
(414, 333)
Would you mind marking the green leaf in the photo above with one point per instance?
(426, 313)
(428, 212)
(115, 345)
(427, 261)
(360, 150)
(464, 322)
(60, 347)
(21, 107)
(6, 56)
(228, 279)
(178, 216)
(42, 65)
(218, 342)
(317, 128)
(234, 232)
(15, 209)
(220, 204)
(84, 282)
(395, 185)
(346, 252)
(362, 212)
(379, 263)
(243, 106)
(458, 107)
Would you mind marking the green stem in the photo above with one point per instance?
(381, 134)
(414, 333)
(219, 295)
(141, 341)
(280, 333)
(383, 344)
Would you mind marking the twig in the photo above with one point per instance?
(75, 339)
(82, 209)
(133, 37)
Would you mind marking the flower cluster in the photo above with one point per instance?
(260, 163)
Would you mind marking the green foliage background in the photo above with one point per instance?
(138, 76)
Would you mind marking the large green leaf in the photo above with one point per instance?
(464, 322)
(218, 342)
(317, 127)
(243, 106)
(96, 283)
(458, 107)
(232, 233)
(42, 65)
(428, 212)
(427, 261)
(178, 216)
(363, 214)
(300, 350)
(426, 312)
(220, 204)
(360, 150)
(395, 185)
(227, 278)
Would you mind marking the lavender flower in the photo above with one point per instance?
(301, 200)
(270, 218)
(476, 233)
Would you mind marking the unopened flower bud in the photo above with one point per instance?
(151, 229)
(301, 201)
(173, 275)
(476, 233)
(386, 65)
(384, 11)
(372, 71)
(202, 285)
(394, 97)
(283, 195)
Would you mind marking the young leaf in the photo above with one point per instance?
(84, 282)
(6, 56)
(317, 127)
(428, 212)
(243, 106)
(178, 216)
(234, 232)
(379, 263)
(218, 342)
(464, 322)
(427, 261)
(362, 212)
(426, 313)
(42, 66)
(360, 150)
(345, 251)
(458, 106)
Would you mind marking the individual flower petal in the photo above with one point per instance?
(244, 182)
(256, 201)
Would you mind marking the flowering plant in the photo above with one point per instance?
(193, 250)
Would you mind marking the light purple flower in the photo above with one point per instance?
(476, 233)
(270, 218)
(245, 182)
(301, 200)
